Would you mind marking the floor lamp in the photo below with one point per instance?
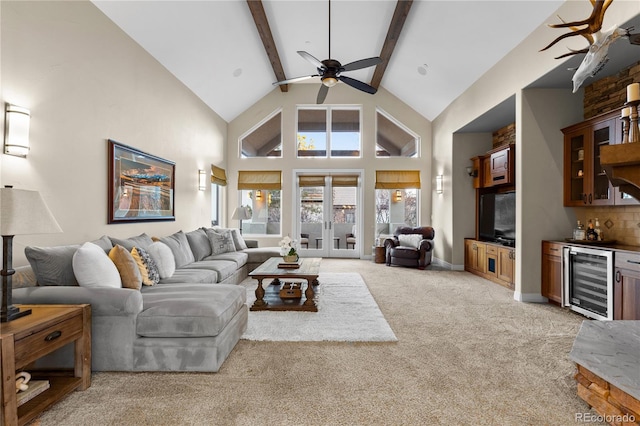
(21, 213)
(241, 213)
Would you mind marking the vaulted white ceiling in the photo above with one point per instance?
(213, 47)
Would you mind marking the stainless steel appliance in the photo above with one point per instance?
(588, 281)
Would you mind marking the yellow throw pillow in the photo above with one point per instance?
(127, 267)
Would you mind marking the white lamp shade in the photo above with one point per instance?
(241, 213)
(24, 212)
(16, 137)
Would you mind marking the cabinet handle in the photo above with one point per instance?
(553, 249)
(506, 165)
(584, 198)
(590, 198)
(53, 336)
(617, 276)
(633, 261)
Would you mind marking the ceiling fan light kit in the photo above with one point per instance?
(330, 71)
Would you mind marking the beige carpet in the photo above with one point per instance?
(467, 353)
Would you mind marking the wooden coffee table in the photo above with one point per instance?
(269, 299)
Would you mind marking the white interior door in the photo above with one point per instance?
(327, 213)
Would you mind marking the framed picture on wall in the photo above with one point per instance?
(141, 185)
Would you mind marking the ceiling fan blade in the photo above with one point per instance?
(294, 80)
(362, 63)
(356, 84)
(311, 59)
(322, 94)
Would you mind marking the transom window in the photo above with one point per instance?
(332, 130)
(264, 140)
(393, 139)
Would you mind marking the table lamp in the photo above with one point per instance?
(241, 213)
(22, 212)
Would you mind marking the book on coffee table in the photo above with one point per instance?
(290, 265)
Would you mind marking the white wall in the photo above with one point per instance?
(461, 191)
(540, 214)
(515, 71)
(305, 94)
(85, 81)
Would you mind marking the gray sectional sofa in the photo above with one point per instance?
(189, 321)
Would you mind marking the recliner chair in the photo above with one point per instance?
(410, 247)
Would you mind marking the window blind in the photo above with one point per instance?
(260, 179)
(397, 179)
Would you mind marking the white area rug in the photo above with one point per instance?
(346, 312)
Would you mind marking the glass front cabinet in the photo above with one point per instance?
(585, 181)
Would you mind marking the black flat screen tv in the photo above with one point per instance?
(497, 217)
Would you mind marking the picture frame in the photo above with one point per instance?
(141, 185)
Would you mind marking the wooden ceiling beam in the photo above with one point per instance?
(395, 28)
(260, 18)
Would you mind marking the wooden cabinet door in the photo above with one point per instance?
(626, 292)
(551, 285)
(487, 181)
(585, 182)
(506, 264)
(501, 164)
(475, 255)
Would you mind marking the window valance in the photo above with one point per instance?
(397, 179)
(344, 181)
(260, 179)
(218, 176)
(306, 181)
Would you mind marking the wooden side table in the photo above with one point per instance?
(379, 254)
(26, 339)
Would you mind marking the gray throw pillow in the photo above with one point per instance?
(221, 242)
(199, 243)
(142, 240)
(238, 241)
(180, 248)
(53, 265)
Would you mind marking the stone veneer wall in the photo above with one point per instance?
(506, 135)
(609, 93)
(603, 96)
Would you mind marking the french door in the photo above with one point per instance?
(327, 213)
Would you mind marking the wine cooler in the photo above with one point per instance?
(588, 281)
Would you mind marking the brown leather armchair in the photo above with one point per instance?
(410, 247)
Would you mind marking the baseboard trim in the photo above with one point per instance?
(446, 265)
(529, 297)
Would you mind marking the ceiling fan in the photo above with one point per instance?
(330, 71)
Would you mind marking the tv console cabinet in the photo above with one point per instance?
(491, 261)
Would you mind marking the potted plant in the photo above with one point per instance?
(288, 250)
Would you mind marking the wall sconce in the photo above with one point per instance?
(16, 130)
(202, 180)
(439, 184)
(269, 198)
(398, 196)
(258, 195)
(472, 172)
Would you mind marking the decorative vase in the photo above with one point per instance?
(290, 258)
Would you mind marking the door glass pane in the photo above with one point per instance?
(601, 188)
(345, 133)
(311, 217)
(577, 168)
(312, 133)
(344, 217)
(265, 140)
